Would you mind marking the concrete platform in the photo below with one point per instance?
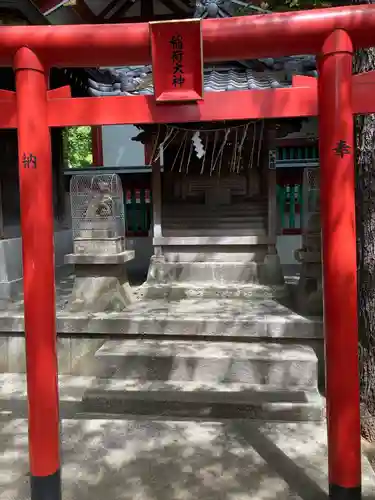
(210, 272)
(142, 459)
(258, 315)
(119, 458)
(204, 290)
(219, 317)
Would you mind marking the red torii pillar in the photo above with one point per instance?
(337, 188)
(37, 225)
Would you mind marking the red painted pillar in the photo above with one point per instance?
(97, 146)
(35, 175)
(336, 138)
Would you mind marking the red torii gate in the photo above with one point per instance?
(332, 34)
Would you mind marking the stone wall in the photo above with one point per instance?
(11, 261)
(76, 356)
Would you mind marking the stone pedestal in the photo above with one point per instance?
(272, 273)
(309, 296)
(101, 282)
(99, 245)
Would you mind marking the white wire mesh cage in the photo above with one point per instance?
(313, 181)
(311, 194)
(98, 213)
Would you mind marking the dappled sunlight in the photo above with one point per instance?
(173, 460)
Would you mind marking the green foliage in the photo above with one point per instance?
(78, 146)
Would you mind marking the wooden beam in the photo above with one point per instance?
(232, 39)
(147, 10)
(121, 10)
(81, 8)
(49, 5)
(26, 9)
(176, 9)
(113, 5)
(231, 105)
(295, 101)
(137, 19)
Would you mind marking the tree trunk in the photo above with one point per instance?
(365, 210)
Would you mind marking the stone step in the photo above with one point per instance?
(203, 290)
(184, 224)
(184, 208)
(217, 215)
(190, 232)
(213, 363)
(213, 220)
(218, 242)
(219, 318)
(224, 319)
(217, 272)
(214, 254)
(194, 219)
(195, 401)
(91, 395)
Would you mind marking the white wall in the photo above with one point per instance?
(118, 148)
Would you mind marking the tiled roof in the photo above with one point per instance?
(239, 75)
(268, 73)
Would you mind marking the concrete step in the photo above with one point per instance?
(213, 224)
(191, 254)
(213, 363)
(233, 208)
(219, 318)
(219, 242)
(218, 232)
(94, 396)
(203, 290)
(214, 216)
(225, 227)
(210, 272)
(221, 209)
(196, 218)
(181, 400)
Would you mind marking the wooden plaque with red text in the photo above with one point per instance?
(177, 60)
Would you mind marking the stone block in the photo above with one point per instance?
(136, 397)
(101, 282)
(181, 291)
(76, 356)
(92, 259)
(11, 272)
(100, 288)
(214, 364)
(219, 272)
(99, 246)
(271, 272)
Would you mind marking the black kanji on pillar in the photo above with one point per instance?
(29, 161)
(342, 149)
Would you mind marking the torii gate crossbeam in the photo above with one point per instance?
(332, 34)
